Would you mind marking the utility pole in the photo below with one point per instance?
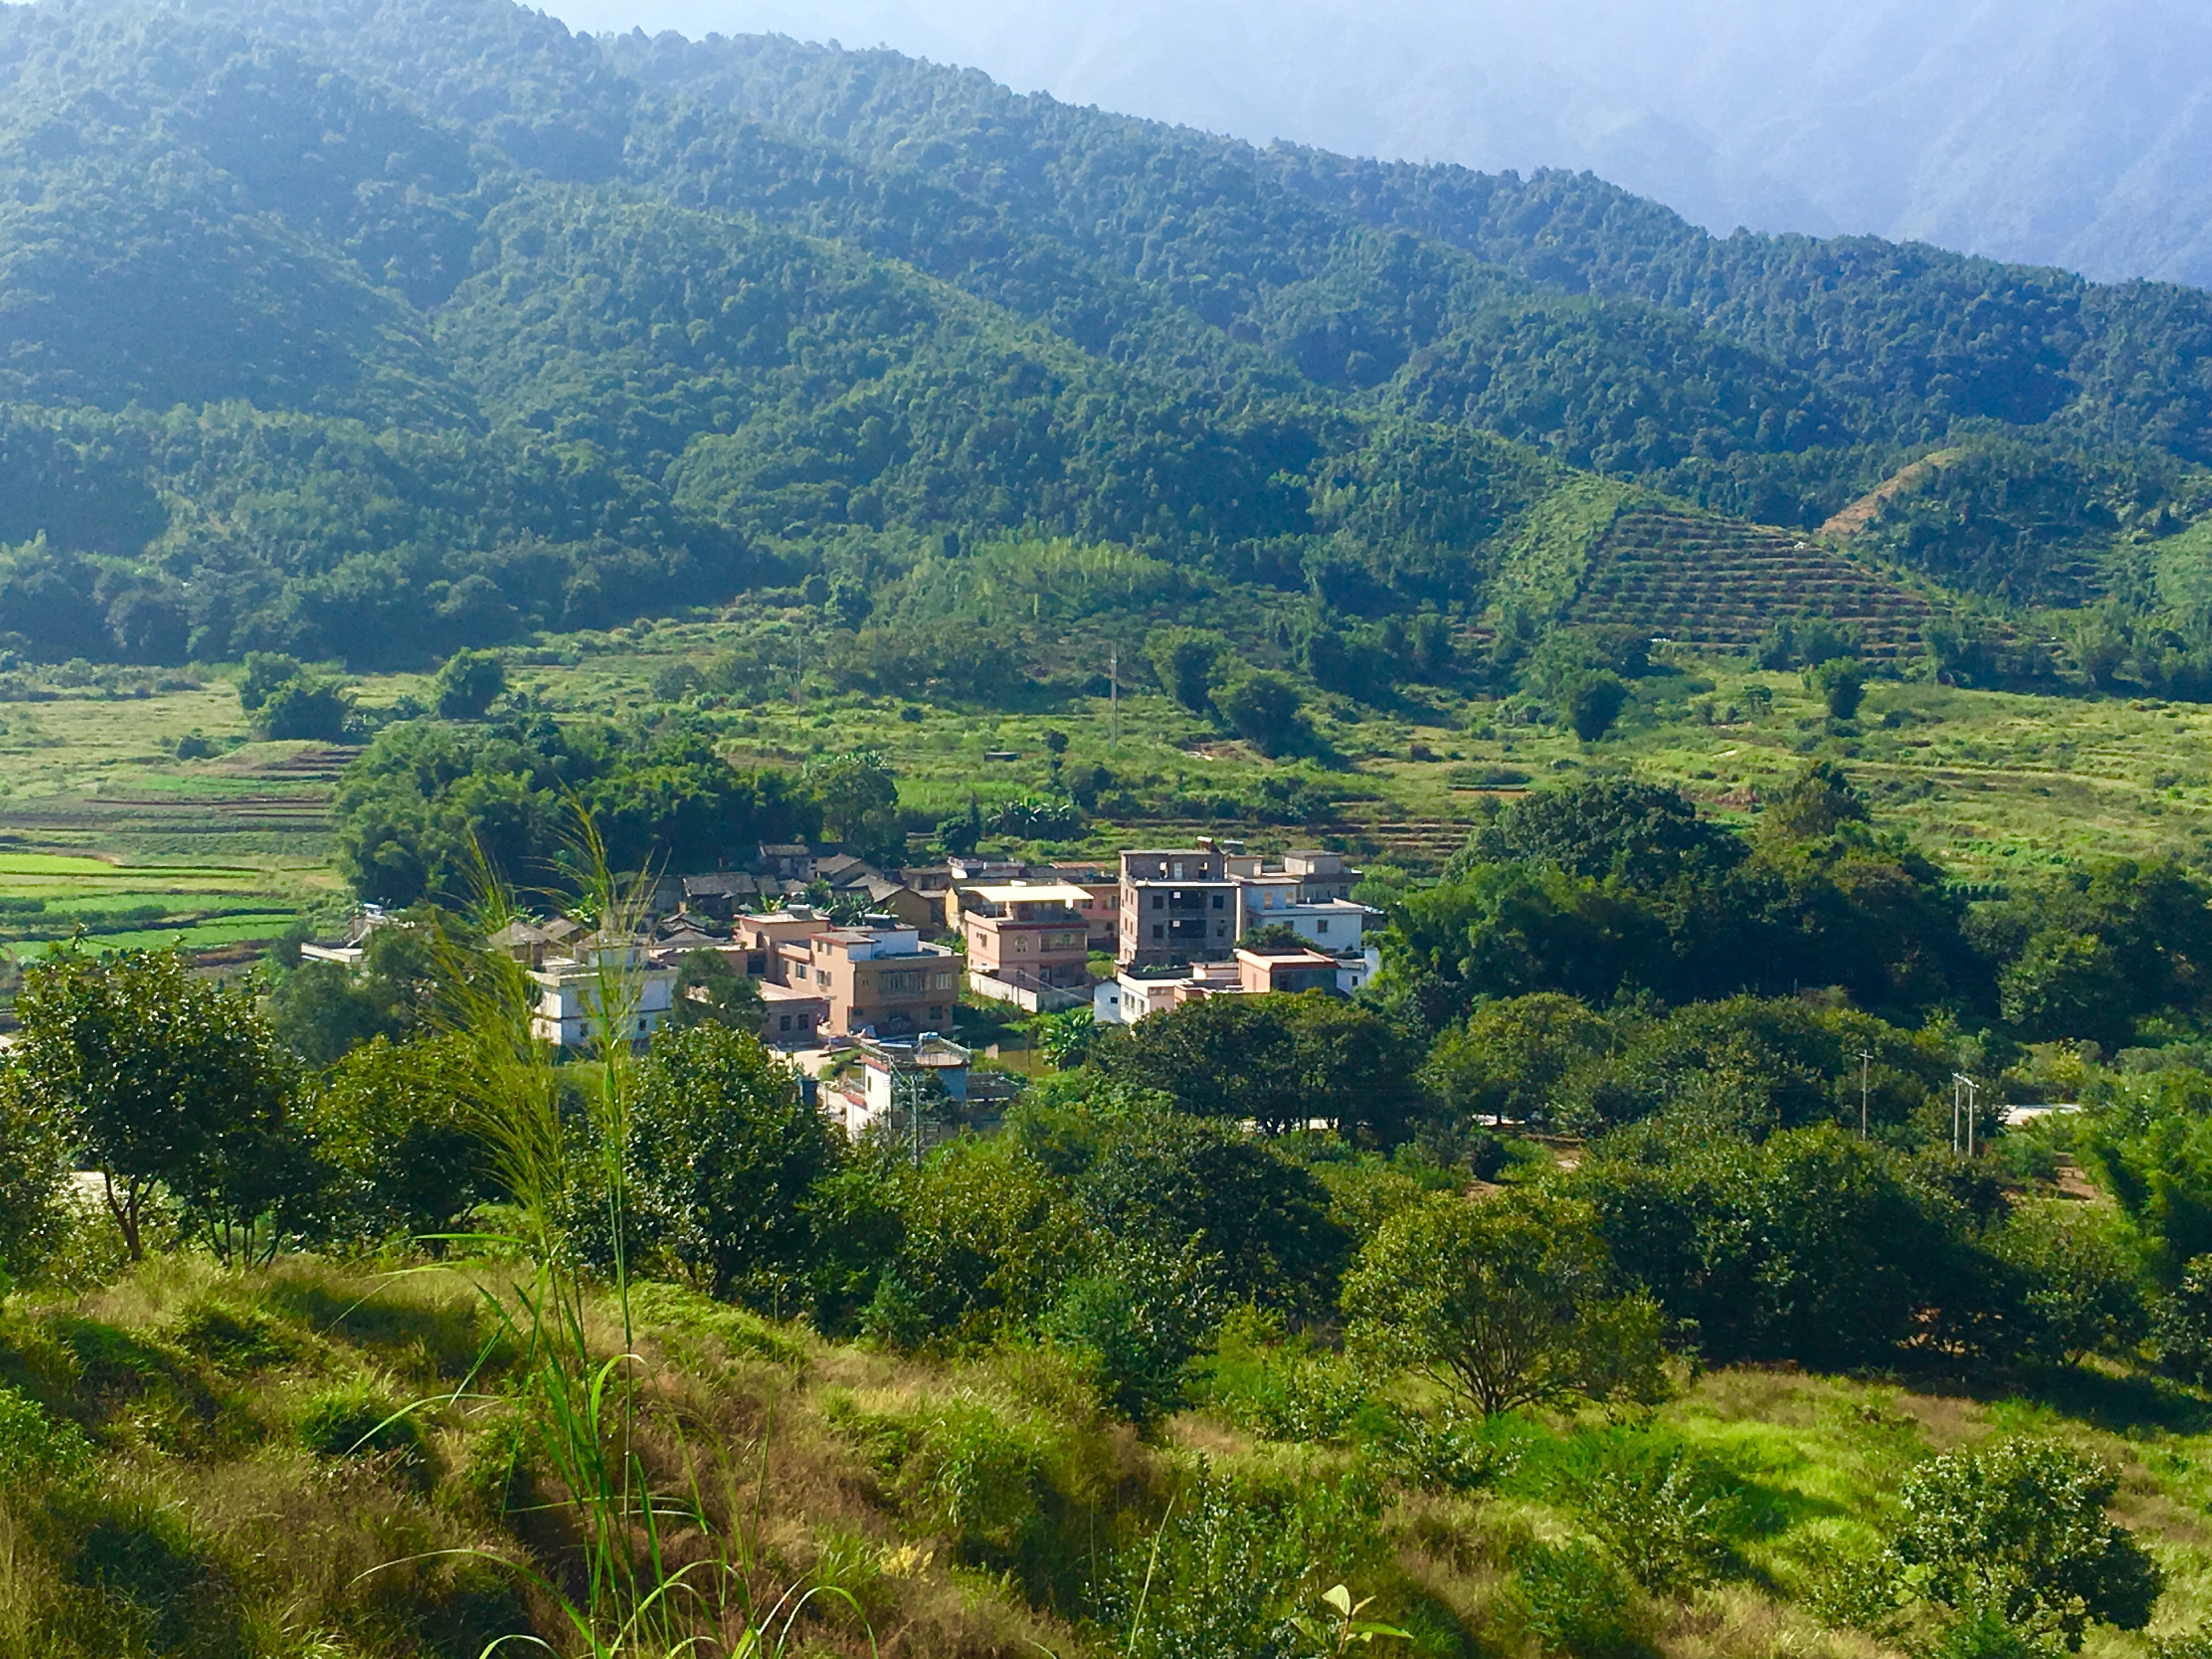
(1865, 1059)
(1961, 1082)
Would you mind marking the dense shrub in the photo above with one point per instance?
(1807, 1246)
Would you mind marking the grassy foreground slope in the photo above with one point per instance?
(204, 1463)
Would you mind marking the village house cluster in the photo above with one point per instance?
(843, 951)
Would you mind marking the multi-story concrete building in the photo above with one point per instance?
(1100, 906)
(607, 981)
(895, 1083)
(965, 876)
(758, 935)
(1177, 906)
(1028, 943)
(881, 979)
(1307, 892)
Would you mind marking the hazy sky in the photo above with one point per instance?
(2074, 131)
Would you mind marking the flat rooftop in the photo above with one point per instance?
(1032, 892)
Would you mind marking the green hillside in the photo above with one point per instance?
(452, 470)
(371, 332)
(1722, 584)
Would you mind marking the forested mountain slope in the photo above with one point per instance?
(373, 330)
(2048, 132)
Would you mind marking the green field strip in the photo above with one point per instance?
(200, 936)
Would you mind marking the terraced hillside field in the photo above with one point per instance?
(1719, 585)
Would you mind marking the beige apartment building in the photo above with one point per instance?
(1029, 934)
(881, 981)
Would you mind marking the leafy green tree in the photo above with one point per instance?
(1280, 1060)
(1506, 1302)
(264, 671)
(1178, 1181)
(305, 709)
(675, 681)
(1063, 1039)
(1841, 682)
(1805, 642)
(1141, 1316)
(1593, 703)
(2155, 1157)
(708, 990)
(1508, 1059)
(1814, 805)
(171, 1083)
(2181, 1323)
(320, 1012)
(1575, 1601)
(1659, 1509)
(2084, 1276)
(960, 836)
(36, 1152)
(725, 1155)
(1184, 659)
(391, 1125)
(322, 1009)
(415, 807)
(1756, 1065)
(1428, 644)
(985, 1241)
(2068, 985)
(859, 800)
(1646, 834)
(468, 684)
(1265, 710)
(2018, 1529)
(2091, 951)
(1808, 1246)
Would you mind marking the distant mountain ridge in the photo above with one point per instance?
(2064, 134)
(373, 327)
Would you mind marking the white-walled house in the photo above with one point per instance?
(573, 994)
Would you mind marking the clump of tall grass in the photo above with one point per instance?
(654, 1570)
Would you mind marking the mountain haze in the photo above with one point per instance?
(2032, 130)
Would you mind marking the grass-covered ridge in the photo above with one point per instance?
(201, 1462)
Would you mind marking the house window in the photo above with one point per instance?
(784, 1025)
(1158, 932)
(1217, 901)
(1159, 901)
(1220, 930)
(1321, 927)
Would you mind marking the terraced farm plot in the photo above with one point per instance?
(52, 896)
(1718, 585)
